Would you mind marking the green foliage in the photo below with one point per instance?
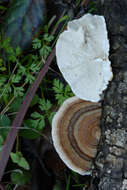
(20, 160)
(4, 128)
(7, 82)
(8, 187)
(34, 101)
(45, 105)
(15, 105)
(43, 45)
(18, 91)
(38, 119)
(92, 7)
(11, 83)
(7, 49)
(2, 8)
(2, 67)
(17, 72)
(68, 182)
(61, 92)
(29, 131)
(78, 2)
(4, 125)
(20, 177)
(36, 43)
(2, 80)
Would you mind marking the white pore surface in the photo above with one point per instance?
(82, 56)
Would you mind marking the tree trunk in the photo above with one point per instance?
(112, 154)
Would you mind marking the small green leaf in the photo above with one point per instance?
(41, 124)
(21, 70)
(6, 43)
(14, 107)
(67, 89)
(4, 120)
(34, 67)
(36, 43)
(4, 125)
(38, 123)
(45, 105)
(8, 88)
(51, 117)
(20, 178)
(18, 91)
(28, 131)
(2, 68)
(2, 80)
(34, 123)
(15, 156)
(16, 78)
(2, 8)
(24, 164)
(35, 115)
(48, 38)
(61, 92)
(18, 51)
(45, 50)
(29, 78)
(58, 86)
(20, 160)
(34, 100)
(60, 98)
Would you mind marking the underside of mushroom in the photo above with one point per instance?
(76, 133)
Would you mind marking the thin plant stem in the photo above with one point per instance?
(6, 108)
(9, 79)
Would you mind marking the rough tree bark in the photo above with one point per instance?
(112, 154)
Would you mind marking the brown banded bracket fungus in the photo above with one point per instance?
(76, 133)
(82, 53)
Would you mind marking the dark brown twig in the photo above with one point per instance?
(4, 155)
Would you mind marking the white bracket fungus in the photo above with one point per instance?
(82, 55)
